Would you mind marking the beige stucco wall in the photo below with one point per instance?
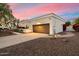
(55, 23)
(41, 21)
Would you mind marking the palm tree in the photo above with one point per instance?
(5, 14)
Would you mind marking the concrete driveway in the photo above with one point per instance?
(19, 38)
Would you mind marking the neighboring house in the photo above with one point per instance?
(70, 28)
(48, 24)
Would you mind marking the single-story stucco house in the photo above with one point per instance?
(48, 24)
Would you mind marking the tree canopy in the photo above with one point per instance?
(5, 13)
(68, 23)
(77, 21)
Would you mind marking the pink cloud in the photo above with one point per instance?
(43, 9)
(13, 5)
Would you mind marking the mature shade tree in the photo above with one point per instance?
(77, 21)
(6, 16)
(68, 23)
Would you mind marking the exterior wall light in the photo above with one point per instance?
(38, 23)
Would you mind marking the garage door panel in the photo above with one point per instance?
(42, 28)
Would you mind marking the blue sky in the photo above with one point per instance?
(68, 11)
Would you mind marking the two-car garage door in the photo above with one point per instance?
(41, 28)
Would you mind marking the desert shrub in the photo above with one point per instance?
(76, 27)
(64, 27)
(18, 30)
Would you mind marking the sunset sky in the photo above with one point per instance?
(24, 11)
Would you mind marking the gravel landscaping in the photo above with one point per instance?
(68, 46)
(6, 33)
